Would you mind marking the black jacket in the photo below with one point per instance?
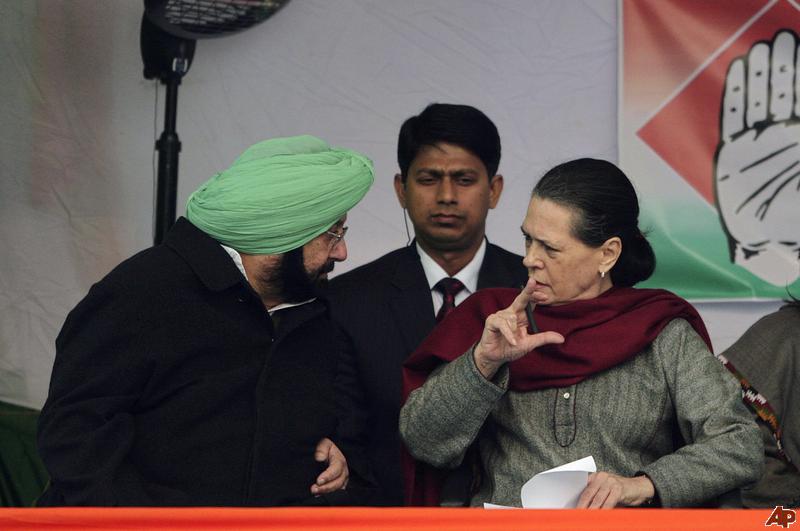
(172, 387)
(384, 311)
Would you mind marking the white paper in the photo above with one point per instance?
(487, 505)
(557, 488)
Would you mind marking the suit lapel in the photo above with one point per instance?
(495, 272)
(411, 303)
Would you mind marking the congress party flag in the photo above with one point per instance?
(709, 131)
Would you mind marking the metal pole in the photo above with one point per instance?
(168, 146)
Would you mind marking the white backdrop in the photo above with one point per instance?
(78, 122)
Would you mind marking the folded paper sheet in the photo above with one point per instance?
(557, 488)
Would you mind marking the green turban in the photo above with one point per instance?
(280, 194)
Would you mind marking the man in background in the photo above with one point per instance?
(448, 157)
(201, 371)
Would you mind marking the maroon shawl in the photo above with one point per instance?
(599, 334)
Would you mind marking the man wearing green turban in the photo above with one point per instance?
(286, 195)
(202, 371)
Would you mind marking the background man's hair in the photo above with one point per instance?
(460, 125)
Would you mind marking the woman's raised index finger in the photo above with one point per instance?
(525, 296)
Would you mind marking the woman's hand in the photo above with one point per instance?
(505, 336)
(606, 491)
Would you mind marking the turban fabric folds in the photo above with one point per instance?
(280, 194)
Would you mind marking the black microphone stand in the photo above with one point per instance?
(167, 58)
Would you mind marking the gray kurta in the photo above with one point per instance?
(628, 417)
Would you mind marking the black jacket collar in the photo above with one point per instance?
(209, 261)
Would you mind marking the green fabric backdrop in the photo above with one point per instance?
(22, 474)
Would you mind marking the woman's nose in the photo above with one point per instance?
(531, 259)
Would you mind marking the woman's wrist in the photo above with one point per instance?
(643, 492)
(487, 368)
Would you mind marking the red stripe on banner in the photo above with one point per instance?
(685, 34)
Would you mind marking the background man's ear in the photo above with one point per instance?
(400, 189)
(495, 189)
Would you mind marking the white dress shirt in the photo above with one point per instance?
(468, 276)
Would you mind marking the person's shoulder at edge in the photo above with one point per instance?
(782, 316)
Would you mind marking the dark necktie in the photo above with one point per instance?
(449, 287)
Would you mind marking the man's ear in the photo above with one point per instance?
(495, 189)
(400, 189)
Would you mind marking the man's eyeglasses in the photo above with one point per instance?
(336, 237)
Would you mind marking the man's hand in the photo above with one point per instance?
(505, 336)
(606, 491)
(757, 165)
(337, 474)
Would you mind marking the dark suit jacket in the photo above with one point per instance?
(384, 310)
(172, 386)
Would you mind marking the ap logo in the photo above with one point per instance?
(782, 517)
